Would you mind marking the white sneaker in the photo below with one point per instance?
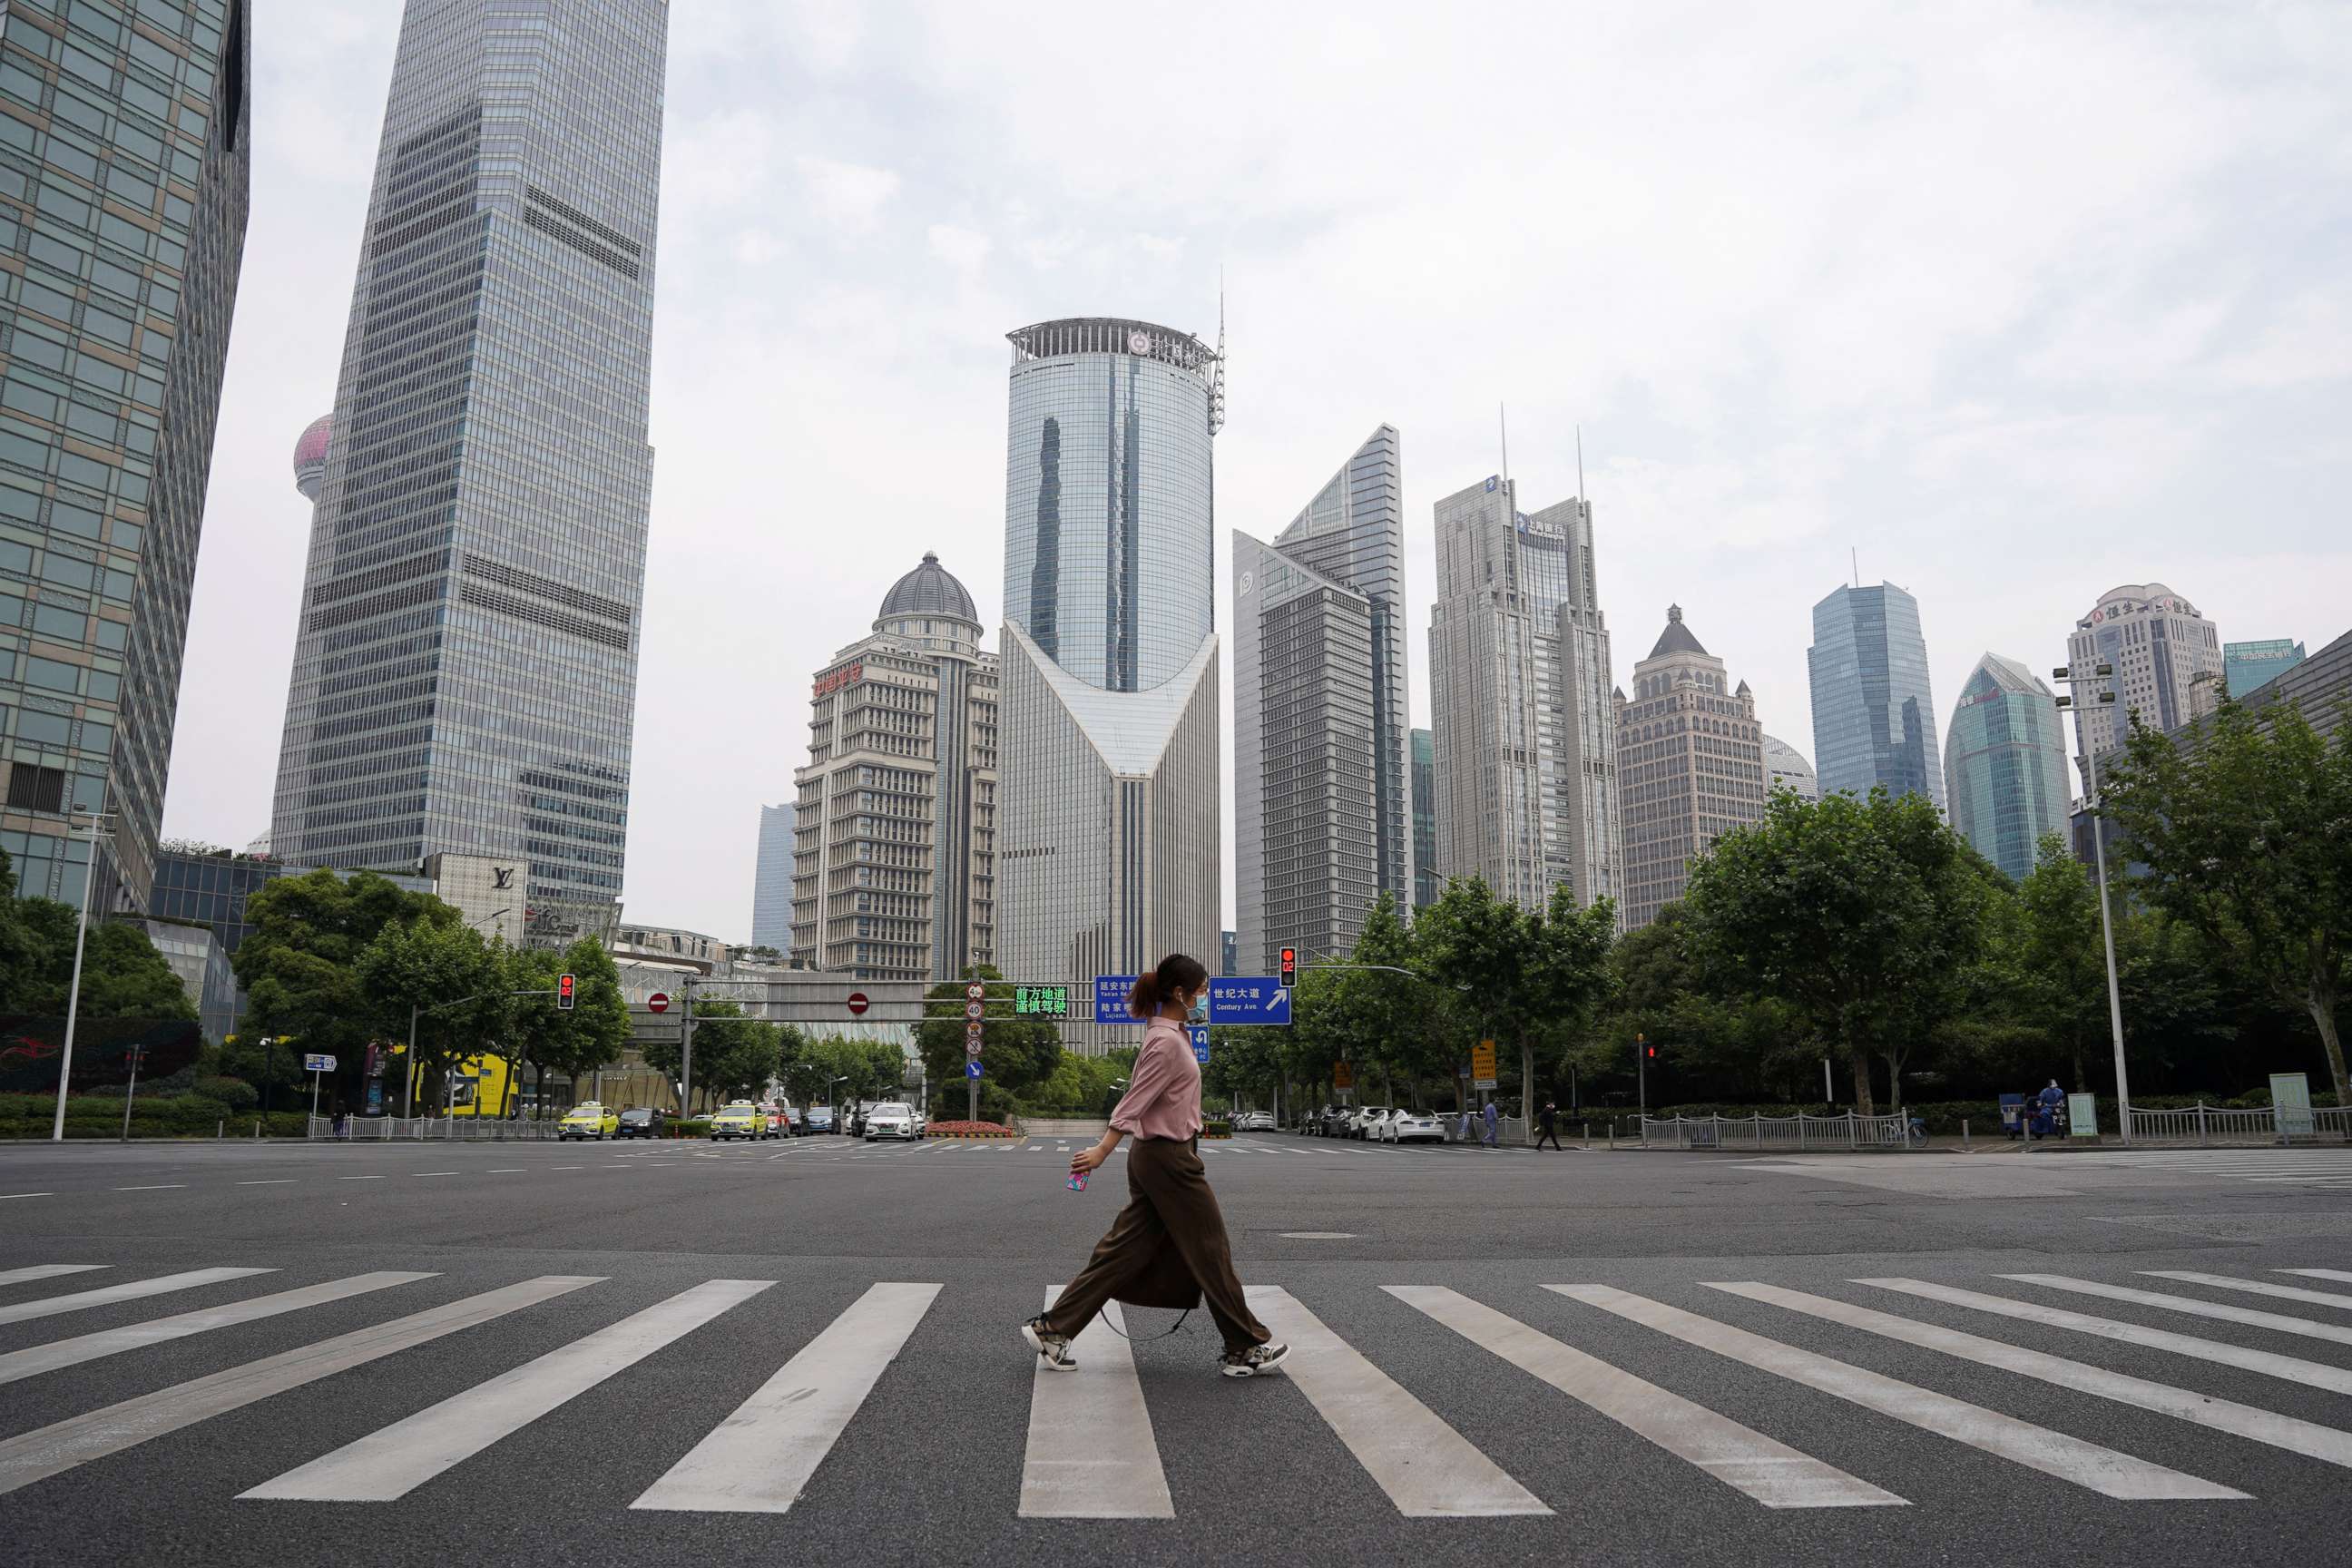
(1255, 1360)
(1053, 1349)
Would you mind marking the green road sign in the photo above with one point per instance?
(1042, 1000)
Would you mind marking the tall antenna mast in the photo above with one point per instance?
(1580, 494)
(1857, 565)
(1217, 376)
(1503, 423)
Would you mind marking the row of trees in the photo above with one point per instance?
(1866, 932)
(122, 975)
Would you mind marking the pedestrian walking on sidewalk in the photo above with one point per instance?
(1168, 1247)
(1546, 1119)
(1488, 1117)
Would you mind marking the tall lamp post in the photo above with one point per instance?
(2076, 675)
(98, 834)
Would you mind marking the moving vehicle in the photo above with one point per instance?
(587, 1120)
(642, 1121)
(737, 1119)
(777, 1116)
(1411, 1126)
(1367, 1117)
(819, 1118)
(890, 1119)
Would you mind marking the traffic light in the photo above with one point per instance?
(563, 993)
(1653, 1052)
(1289, 966)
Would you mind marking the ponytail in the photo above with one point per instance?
(1176, 972)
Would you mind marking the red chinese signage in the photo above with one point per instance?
(834, 679)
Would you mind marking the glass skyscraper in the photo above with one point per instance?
(2247, 665)
(124, 181)
(1874, 716)
(1110, 853)
(464, 673)
(2005, 764)
(1427, 881)
(772, 881)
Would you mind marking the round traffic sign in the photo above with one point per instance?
(657, 1002)
(971, 1047)
(975, 1010)
(858, 1003)
(976, 992)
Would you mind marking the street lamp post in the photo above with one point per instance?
(73, 995)
(837, 1118)
(2106, 697)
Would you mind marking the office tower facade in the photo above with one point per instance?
(1518, 658)
(1428, 881)
(2168, 666)
(772, 881)
(1873, 715)
(895, 822)
(1111, 854)
(123, 183)
(2246, 664)
(1785, 768)
(1690, 762)
(2005, 764)
(464, 669)
(1306, 867)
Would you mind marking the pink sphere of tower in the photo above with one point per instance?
(311, 456)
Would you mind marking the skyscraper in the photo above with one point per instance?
(895, 825)
(2247, 665)
(2166, 657)
(465, 671)
(1428, 881)
(123, 217)
(1785, 768)
(1518, 673)
(1109, 851)
(1690, 766)
(772, 881)
(1874, 716)
(1322, 803)
(2005, 764)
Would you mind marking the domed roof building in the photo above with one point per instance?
(1690, 766)
(930, 589)
(311, 456)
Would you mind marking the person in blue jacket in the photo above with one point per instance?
(2051, 1102)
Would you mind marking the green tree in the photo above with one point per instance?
(423, 963)
(1479, 946)
(1567, 979)
(734, 1055)
(2246, 833)
(576, 1043)
(122, 975)
(1016, 1051)
(1860, 914)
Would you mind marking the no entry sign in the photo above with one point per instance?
(657, 1002)
(858, 1003)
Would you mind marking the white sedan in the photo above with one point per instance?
(1411, 1127)
(1254, 1121)
(1364, 1125)
(891, 1120)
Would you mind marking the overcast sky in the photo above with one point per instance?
(2019, 302)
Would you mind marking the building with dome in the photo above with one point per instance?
(1690, 766)
(2170, 669)
(1787, 769)
(311, 456)
(894, 819)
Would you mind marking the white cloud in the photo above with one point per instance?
(962, 249)
(845, 198)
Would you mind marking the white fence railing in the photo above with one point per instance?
(2206, 1124)
(445, 1129)
(1800, 1131)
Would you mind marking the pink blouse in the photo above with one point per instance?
(1163, 1096)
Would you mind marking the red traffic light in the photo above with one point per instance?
(1290, 967)
(563, 993)
(1653, 1052)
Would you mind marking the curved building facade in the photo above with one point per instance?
(2005, 764)
(1110, 849)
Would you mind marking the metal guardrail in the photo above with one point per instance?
(445, 1129)
(2208, 1124)
(1759, 1132)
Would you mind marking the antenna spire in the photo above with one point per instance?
(1580, 494)
(1503, 423)
(1857, 565)
(1217, 377)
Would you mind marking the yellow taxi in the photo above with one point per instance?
(739, 1119)
(588, 1120)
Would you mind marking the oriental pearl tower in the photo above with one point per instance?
(310, 457)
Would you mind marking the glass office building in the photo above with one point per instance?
(1874, 716)
(464, 673)
(772, 881)
(1110, 848)
(2247, 665)
(123, 182)
(1427, 880)
(2005, 764)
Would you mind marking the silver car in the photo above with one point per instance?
(891, 1119)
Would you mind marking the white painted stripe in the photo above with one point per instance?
(1090, 1453)
(111, 1341)
(45, 1271)
(2190, 1306)
(395, 1460)
(759, 1458)
(2255, 1287)
(273, 1182)
(1745, 1460)
(2319, 1273)
(6, 1196)
(2308, 1373)
(2307, 1437)
(2102, 1470)
(52, 1450)
(154, 1188)
(359, 1178)
(1428, 1469)
(162, 1284)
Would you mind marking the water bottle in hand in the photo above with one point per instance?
(1078, 1181)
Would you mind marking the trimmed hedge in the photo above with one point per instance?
(31, 1116)
(1216, 1129)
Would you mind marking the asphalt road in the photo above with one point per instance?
(569, 1353)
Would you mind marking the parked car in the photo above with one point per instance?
(1254, 1121)
(1411, 1126)
(642, 1121)
(778, 1119)
(1336, 1120)
(922, 1123)
(1366, 1117)
(819, 1119)
(890, 1119)
(737, 1119)
(587, 1120)
(798, 1117)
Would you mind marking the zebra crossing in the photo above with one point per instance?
(2320, 1169)
(1092, 1448)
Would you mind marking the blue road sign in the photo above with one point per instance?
(1112, 992)
(1200, 1033)
(971, 1069)
(1248, 999)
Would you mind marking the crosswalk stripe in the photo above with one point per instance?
(759, 1458)
(2102, 1470)
(2319, 1273)
(395, 1460)
(1745, 1460)
(2287, 1368)
(1426, 1468)
(2255, 1287)
(2191, 1306)
(44, 1271)
(107, 1296)
(53, 1450)
(2307, 1437)
(1091, 1452)
(38, 1359)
